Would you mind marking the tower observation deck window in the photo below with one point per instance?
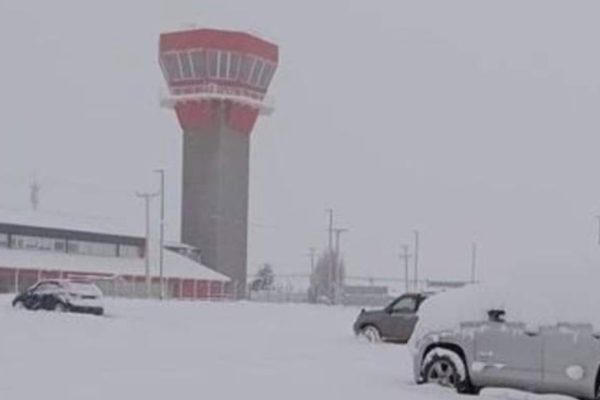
(223, 64)
(258, 66)
(199, 64)
(267, 75)
(246, 69)
(186, 65)
(170, 63)
(234, 65)
(213, 63)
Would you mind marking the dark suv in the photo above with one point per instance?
(394, 323)
(62, 295)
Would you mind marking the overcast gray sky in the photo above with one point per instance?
(467, 120)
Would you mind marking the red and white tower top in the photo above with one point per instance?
(206, 67)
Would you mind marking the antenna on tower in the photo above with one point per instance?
(34, 193)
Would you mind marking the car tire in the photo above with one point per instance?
(447, 368)
(371, 333)
(60, 307)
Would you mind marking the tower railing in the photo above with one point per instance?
(253, 99)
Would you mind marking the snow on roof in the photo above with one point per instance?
(175, 265)
(65, 221)
(179, 245)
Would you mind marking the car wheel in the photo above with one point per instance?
(446, 368)
(60, 307)
(371, 333)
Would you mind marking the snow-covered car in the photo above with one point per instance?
(62, 295)
(480, 337)
(394, 323)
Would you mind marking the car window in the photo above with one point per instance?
(405, 305)
(48, 287)
(83, 288)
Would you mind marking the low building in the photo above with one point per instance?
(49, 248)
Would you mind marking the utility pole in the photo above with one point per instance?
(312, 253)
(416, 255)
(147, 198)
(330, 229)
(337, 265)
(330, 261)
(338, 233)
(405, 256)
(162, 231)
(473, 261)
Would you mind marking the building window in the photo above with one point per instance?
(234, 66)
(171, 67)
(60, 245)
(246, 69)
(34, 242)
(223, 64)
(186, 65)
(267, 75)
(130, 251)
(213, 61)
(258, 66)
(92, 248)
(3, 240)
(199, 64)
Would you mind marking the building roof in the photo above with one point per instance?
(95, 229)
(68, 222)
(175, 265)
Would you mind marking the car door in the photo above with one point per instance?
(571, 357)
(43, 295)
(32, 298)
(400, 318)
(507, 355)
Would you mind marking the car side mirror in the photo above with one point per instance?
(496, 315)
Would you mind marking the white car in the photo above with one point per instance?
(62, 295)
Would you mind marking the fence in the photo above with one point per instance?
(358, 290)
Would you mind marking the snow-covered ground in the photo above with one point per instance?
(189, 350)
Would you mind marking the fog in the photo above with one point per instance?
(470, 121)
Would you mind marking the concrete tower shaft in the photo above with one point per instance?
(217, 82)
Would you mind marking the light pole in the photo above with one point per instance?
(147, 198)
(416, 255)
(405, 256)
(162, 231)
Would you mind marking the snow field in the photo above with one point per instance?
(188, 350)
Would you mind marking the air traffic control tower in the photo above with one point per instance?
(217, 81)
